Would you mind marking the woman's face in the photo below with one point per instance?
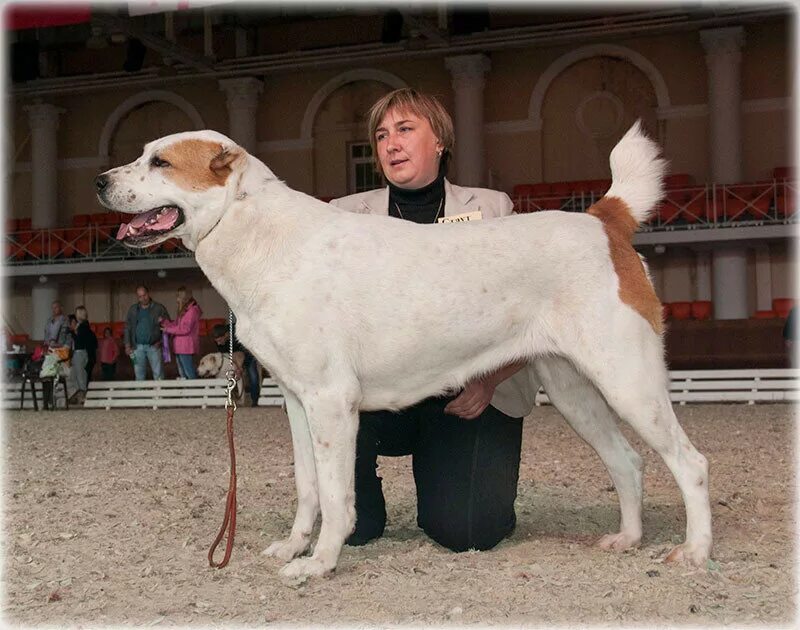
(407, 149)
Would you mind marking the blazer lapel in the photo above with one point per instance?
(457, 199)
(376, 202)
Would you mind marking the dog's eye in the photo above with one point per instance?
(157, 162)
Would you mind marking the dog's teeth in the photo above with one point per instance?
(133, 230)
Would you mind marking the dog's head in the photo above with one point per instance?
(210, 365)
(179, 187)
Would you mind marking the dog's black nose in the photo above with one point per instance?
(100, 182)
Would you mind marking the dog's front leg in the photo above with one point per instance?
(305, 477)
(334, 423)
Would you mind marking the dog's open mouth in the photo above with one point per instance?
(149, 224)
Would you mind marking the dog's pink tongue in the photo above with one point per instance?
(122, 231)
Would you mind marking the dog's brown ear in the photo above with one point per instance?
(225, 161)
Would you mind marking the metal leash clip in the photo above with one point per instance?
(230, 374)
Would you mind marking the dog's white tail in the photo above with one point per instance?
(637, 173)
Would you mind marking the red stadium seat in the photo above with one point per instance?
(765, 315)
(783, 172)
(786, 205)
(666, 312)
(11, 225)
(681, 310)
(521, 195)
(118, 329)
(667, 212)
(24, 224)
(55, 242)
(678, 180)
(561, 189)
(80, 220)
(701, 309)
(782, 306)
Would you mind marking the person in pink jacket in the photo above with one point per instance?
(186, 332)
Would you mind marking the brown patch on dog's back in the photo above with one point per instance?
(634, 287)
(191, 164)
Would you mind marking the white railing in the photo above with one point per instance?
(686, 386)
(715, 386)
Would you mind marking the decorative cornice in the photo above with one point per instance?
(67, 164)
(767, 104)
(512, 126)
(723, 40)
(468, 66)
(242, 92)
(682, 111)
(42, 115)
(293, 144)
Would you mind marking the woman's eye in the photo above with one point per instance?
(158, 162)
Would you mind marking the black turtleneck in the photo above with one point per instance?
(420, 205)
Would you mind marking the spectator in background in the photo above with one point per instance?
(186, 332)
(56, 330)
(72, 324)
(142, 335)
(108, 352)
(790, 335)
(85, 347)
(221, 335)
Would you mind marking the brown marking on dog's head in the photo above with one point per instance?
(197, 164)
(634, 287)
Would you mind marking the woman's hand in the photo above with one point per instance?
(477, 394)
(473, 399)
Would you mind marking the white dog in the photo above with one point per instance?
(325, 300)
(217, 364)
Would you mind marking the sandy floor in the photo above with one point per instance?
(108, 519)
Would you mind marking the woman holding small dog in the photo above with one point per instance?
(466, 448)
(186, 332)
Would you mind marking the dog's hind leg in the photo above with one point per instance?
(588, 414)
(305, 478)
(333, 421)
(628, 369)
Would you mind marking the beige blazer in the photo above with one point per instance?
(516, 395)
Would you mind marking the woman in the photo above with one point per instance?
(83, 356)
(465, 448)
(186, 331)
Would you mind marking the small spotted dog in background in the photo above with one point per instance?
(217, 364)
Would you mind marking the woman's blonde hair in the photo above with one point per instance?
(184, 295)
(409, 101)
(81, 314)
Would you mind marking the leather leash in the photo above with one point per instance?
(229, 520)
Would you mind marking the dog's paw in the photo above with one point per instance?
(691, 554)
(618, 542)
(286, 549)
(300, 568)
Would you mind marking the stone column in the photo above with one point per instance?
(468, 82)
(703, 275)
(242, 109)
(763, 278)
(43, 120)
(724, 59)
(730, 283)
